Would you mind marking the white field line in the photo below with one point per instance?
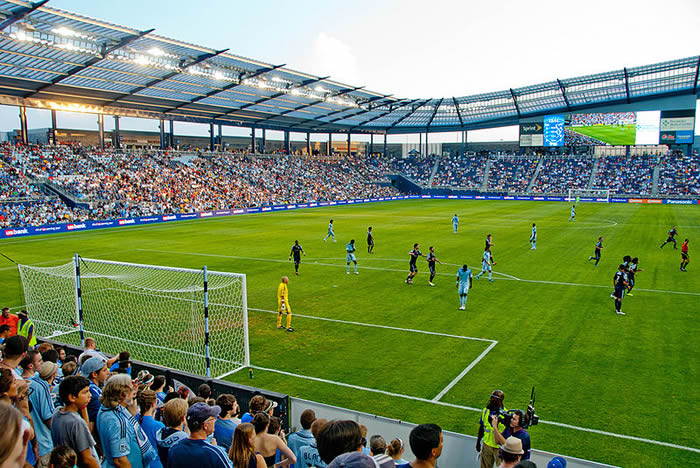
(464, 372)
(470, 408)
(373, 325)
(507, 277)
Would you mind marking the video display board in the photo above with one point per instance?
(611, 129)
(677, 127)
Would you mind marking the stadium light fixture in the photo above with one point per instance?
(64, 31)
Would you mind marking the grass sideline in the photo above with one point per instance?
(610, 134)
(631, 375)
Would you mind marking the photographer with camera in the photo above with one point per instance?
(489, 449)
(514, 429)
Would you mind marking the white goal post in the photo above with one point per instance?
(191, 320)
(599, 194)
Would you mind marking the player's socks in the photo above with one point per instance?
(490, 276)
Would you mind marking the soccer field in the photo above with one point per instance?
(611, 134)
(372, 343)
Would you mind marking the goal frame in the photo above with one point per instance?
(78, 280)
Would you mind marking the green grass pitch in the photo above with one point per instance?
(556, 328)
(611, 134)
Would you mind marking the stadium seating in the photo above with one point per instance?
(511, 173)
(462, 172)
(559, 174)
(680, 175)
(417, 168)
(626, 174)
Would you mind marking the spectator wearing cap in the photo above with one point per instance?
(395, 450)
(174, 413)
(195, 450)
(225, 424)
(556, 462)
(511, 451)
(123, 441)
(268, 444)
(309, 455)
(26, 328)
(95, 370)
(69, 426)
(426, 444)
(4, 332)
(15, 350)
(304, 437)
(42, 408)
(9, 319)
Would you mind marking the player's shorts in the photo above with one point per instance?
(485, 266)
(533, 239)
(619, 292)
(630, 280)
(370, 242)
(351, 257)
(596, 253)
(685, 256)
(463, 289)
(431, 267)
(671, 239)
(412, 267)
(331, 233)
(285, 308)
(297, 260)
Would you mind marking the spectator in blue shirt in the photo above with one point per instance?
(195, 450)
(148, 401)
(124, 443)
(309, 453)
(304, 437)
(96, 371)
(225, 425)
(42, 408)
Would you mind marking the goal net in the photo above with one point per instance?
(599, 195)
(161, 315)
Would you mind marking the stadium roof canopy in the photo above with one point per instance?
(51, 58)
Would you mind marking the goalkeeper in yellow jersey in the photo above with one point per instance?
(283, 306)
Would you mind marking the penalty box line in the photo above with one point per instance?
(449, 386)
(506, 277)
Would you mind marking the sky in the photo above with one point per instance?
(411, 48)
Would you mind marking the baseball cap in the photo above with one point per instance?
(269, 404)
(353, 460)
(16, 345)
(91, 365)
(48, 368)
(513, 445)
(200, 412)
(556, 462)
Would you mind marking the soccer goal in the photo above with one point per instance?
(191, 320)
(600, 195)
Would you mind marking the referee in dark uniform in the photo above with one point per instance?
(296, 252)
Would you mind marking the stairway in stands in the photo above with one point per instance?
(487, 170)
(533, 179)
(435, 169)
(594, 173)
(655, 181)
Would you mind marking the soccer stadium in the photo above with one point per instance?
(290, 268)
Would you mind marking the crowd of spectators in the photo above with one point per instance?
(559, 174)
(626, 174)
(679, 175)
(417, 167)
(460, 171)
(511, 173)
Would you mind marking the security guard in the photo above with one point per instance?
(26, 328)
(489, 450)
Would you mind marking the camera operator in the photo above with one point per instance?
(489, 449)
(514, 429)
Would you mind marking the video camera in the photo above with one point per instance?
(528, 419)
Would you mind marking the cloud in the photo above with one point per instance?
(331, 56)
